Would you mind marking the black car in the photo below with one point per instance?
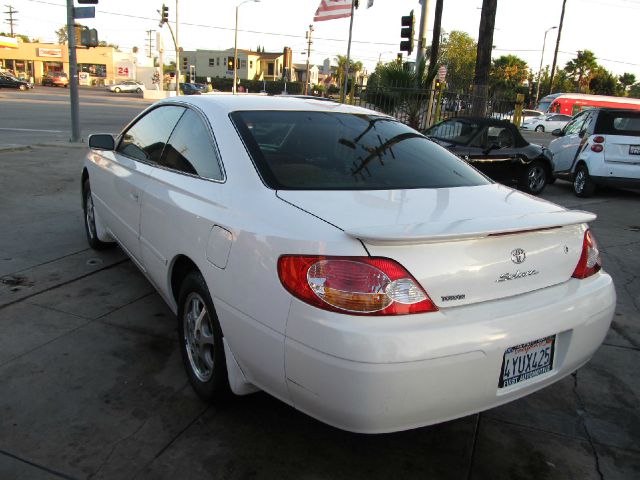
(497, 149)
(9, 81)
(193, 88)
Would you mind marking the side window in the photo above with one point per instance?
(146, 139)
(500, 136)
(588, 122)
(574, 125)
(190, 149)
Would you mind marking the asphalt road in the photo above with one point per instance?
(92, 384)
(43, 115)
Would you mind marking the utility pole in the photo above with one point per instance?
(555, 53)
(435, 42)
(309, 42)
(483, 59)
(10, 19)
(422, 38)
(73, 74)
(150, 41)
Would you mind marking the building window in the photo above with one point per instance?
(250, 63)
(212, 62)
(95, 70)
(270, 69)
(243, 64)
(218, 61)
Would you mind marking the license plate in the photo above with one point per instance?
(634, 149)
(526, 361)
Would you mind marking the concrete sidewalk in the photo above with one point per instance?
(92, 384)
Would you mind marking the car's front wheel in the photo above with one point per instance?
(533, 178)
(583, 185)
(117, 90)
(138, 90)
(539, 128)
(90, 220)
(22, 87)
(200, 338)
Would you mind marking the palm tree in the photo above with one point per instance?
(626, 80)
(581, 68)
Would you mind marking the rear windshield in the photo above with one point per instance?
(295, 150)
(620, 123)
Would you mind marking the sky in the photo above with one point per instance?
(607, 27)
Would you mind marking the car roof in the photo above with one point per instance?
(226, 103)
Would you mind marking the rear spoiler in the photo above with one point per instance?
(464, 229)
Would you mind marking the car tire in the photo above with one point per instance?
(22, 87)
(583, 185)
(200, 339)
(117, 90)
(540, 128)
(533, 178)
(138, 90)
(90, 220)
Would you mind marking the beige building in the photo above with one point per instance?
(251, 65)
(96, 66)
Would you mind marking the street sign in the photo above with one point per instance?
(442, 73)
(84, 12)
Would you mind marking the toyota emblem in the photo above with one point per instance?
(518, 256)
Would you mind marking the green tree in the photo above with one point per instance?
(508, 72)
(459, 56)
(581, 69)
(603, 82)
(61, 34)
(626, 80)
(354, 68)
(634, 90)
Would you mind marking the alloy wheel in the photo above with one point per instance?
(198, 337)
(537, 177)
(90, 215)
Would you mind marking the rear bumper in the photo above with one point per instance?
(406, 372)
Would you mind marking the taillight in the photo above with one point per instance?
(598, 139)
(354, 285)
(590, 261)
(597, 148)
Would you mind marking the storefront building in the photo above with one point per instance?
(98, 66)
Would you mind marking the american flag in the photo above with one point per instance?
(332, 9)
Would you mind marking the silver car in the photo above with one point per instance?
(128, 86)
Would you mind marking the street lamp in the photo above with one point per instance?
(540, 69)
(235, 48)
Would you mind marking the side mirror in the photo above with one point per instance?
(102, 141)
(558, 132)
(582, 132)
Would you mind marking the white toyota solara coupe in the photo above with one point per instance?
(344, 263)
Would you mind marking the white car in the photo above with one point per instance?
(598, 147)
(526, 113)
(546, 123)
(127, 86)
(344, 263)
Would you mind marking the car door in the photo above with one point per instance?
(185, 204)
(565, 148)
(118, 186)
(493, 152)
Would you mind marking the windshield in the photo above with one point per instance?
(295, 150)
(543, 106)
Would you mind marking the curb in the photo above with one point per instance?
(20, 148)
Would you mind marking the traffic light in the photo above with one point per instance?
(408, 24)
(399, 58)
(89, 37)
(229, 64)
(164, 14)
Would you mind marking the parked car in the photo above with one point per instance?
(598, 147)
(526, 113)
(127, 86)
(56, 79)
(545, 123)
(496, 148)
(9, 81)
(344, 263)
(193, 88)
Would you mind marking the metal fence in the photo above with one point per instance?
(422, 108)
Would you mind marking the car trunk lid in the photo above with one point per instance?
(465, 244)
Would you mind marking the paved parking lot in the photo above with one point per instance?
(92, 384)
